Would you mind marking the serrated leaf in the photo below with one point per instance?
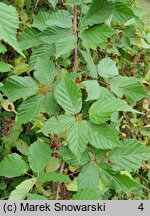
(68, 95)
(102, 136)
(29, 109)
(71, 159)
(107, 68)
(54, 34)
(62, 49)
(90, 64)
(130, 156)
(85, 194)
(36, 197)
(117, 182)
(50, 104)
(61, 18)
(93, 89)
(122, 13)
(41, 51)
(128, 86)
(99, 12)
(45, 70)
(22, 189)
(29, 38)
(101, 110)
(12, 166)
(17, 87)
(38, 156)
(78, 138)
(8, 26)
(55, 177)
(57, 125)
(96, 35)
(88, 177)
(39, 21)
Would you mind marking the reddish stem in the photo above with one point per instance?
(59, 184)
(73, 173)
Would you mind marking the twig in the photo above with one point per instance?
(59, 184)
(75, 32)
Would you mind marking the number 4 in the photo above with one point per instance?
(141, 207)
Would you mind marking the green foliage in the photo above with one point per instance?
(18, 87)
(22, 189)
(68, 95)
(8, 30)
(74, 104)
(12, 166)
(41, 151)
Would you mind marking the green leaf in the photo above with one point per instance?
(61, 18)
(36, 197)
(118, 182)
(22, 147)
(50, 104)
(54, 34)
(8, 26)
(107, 68)
(99, 12)
(22, 189)
(12, 166)
(29, 109)
(53, 165)
(39, 21)
(54, 3)
(17, 87)
(78, 138)
(96, 35)
(90, 64)
(101, 110)
(68, 95)
(55, 177)
(3, 48)
(130, 156)
(88, 177)
(41, 51)
(71, 159)
(38, 156)
(128, 86)
(29, 38)
(93, 89)
(75, 2)
(121, 13)
(4, 67)
(102, 136)
(57, 125)
(85, 194)
(3, 186)
(45, 70)
(62, 49)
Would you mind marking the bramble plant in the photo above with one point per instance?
(74, 100)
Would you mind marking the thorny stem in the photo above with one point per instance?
(75, 31)
(59, 184)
